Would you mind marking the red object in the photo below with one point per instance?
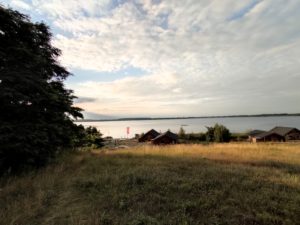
(128, 130)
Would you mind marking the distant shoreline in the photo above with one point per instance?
(190, 117)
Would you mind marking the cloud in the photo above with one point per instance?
(199, 56)
(70, 8)
(20, 4)
(84, 99)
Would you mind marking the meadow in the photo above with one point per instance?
(231, 183)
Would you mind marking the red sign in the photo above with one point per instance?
(128, 130)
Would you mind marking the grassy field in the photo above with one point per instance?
(181, 184)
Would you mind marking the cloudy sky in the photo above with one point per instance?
(176, 58)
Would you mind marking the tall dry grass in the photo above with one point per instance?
(231, 152)
(178, 184)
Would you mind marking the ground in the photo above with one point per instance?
(181, 184)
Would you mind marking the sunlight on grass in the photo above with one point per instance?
(289, 153)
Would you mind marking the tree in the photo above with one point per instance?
(93, 137)
(37, 112)
(181, 133)
(221, 133)
(210, 134)
(218, 133)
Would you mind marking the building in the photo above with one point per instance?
(166, 138)
(268, 136)
(289, 133)
(151, 134)
(275, 134)
(252, 134)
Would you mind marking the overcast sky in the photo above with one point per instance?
(174, 57)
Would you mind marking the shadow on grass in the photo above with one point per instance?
(284, 167)
(173, 190)
(133, 189)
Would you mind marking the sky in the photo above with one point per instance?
(159, 58)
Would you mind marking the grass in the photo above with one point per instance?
(180, 184)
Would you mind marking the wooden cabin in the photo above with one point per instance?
(275, 134)
(289, 133)
(151, 134)
(166, 138)
(268, 136)
(252, 134)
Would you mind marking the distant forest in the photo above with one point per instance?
(190, 117)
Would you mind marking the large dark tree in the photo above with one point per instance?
(36, 109)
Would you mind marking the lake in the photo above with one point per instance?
(117, 129)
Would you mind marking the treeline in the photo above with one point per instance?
(37, 111)
(217, 133)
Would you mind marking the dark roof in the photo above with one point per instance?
(282, 130)
(168, 134)
(151, 132)
(254, 133)
(266, 134)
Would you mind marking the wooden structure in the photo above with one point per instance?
(289, 133)
(268, 136)
(252, 134)
(166, 138)
(151, 134)
(275, 134)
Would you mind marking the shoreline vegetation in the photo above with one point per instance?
(232, 183)
(189, 117)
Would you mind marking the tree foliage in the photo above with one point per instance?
(89, 137)
(36, 109)
(218, 133)
(210, 134)
(181, 133)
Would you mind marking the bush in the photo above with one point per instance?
(196, 137)
(89, 137)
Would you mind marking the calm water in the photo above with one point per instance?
(117, 129)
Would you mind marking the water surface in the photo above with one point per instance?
(117, 129)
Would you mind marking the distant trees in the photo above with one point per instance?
(181, 133)
(37, 112)
(218, 133)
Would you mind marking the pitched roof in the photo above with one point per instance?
(151, 132)
(254, 133)
(282, 130)
(266, 134)
(168, 134)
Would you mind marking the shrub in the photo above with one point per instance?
(89, 137)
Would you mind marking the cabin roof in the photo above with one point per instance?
(283, 130)
(167, 134)
(151, 132)
(266, 134)
(256, 132)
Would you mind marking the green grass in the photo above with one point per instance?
(184, 184)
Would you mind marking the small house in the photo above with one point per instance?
(289, 133)
(166, 138)
(268, 136)
(252, 134)
(151, 134)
